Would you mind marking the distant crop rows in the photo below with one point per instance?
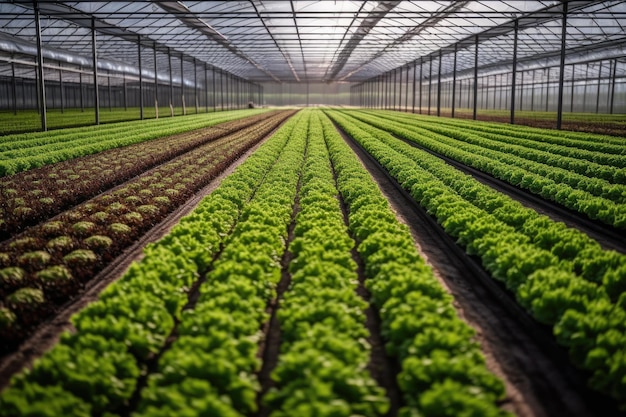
(191, 313)
(31, 150)
(597, 190)
(37, 194)
(564, 278)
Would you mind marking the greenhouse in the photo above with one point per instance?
(313, 208)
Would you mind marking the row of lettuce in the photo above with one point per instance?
(37, 194)
(604, 150)
(203, 346)
(577, 184)
(51, 262)
(560, 275)
(26, 151)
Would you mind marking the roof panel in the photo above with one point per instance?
(326, 40)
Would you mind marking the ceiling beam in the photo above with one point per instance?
(182, 13)
(367, 24)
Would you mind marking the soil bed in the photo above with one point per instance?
(608, 236)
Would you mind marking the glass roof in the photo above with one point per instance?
(297, 41)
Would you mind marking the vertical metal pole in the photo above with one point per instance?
(388, 93)
(547, 89)
(80, 86)
(206, 89)
(475, 79)
(420, 101)
(608, 85)
(571, 95)
(514, 71)
(109, 90)
(384, 88)
(222, 89)
(585, 88)
(430, 82)
(182, 85)
(156, 82)
(141, 113)
(532, 92)
(439, 85)
(400, 91)
(484, 93)
(521, 95)
(381, 91)
(195, 82)
(62, 93)
(42, 83)
(501, 89)
(413, 95)
(214, 90)
(394, 87)
(598, 93)
(95, 70)
(613, 76)
(169, 62)
(125, 91)
(559, 111)
(13, 86)
(406, 91)
(453, 104)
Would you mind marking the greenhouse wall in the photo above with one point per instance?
(303, 94)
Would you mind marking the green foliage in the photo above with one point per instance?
(559, 274)
(423, 332)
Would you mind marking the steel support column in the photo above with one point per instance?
(532, 92)
(141, 113)
(206, 89)
(400, 89)
(413, 87)
(156, 83)
(521, 95)
(214, 89)
(125, 91)
(182, 85)
(41, 83)
(514, 71)
(430, 82)
(81, 88)
(195, 83)
(599, 85)
(420, 100)
(108, 91)
(94, 53)
(13, 86)
(222, 90)
(169, 65)
(61, 90)
(395, 87)
(612, 80)
(475, 79)
(559, 111)
(439, 84)
(406, 91)
(548, 90)
(571, 95)
(453, 104)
